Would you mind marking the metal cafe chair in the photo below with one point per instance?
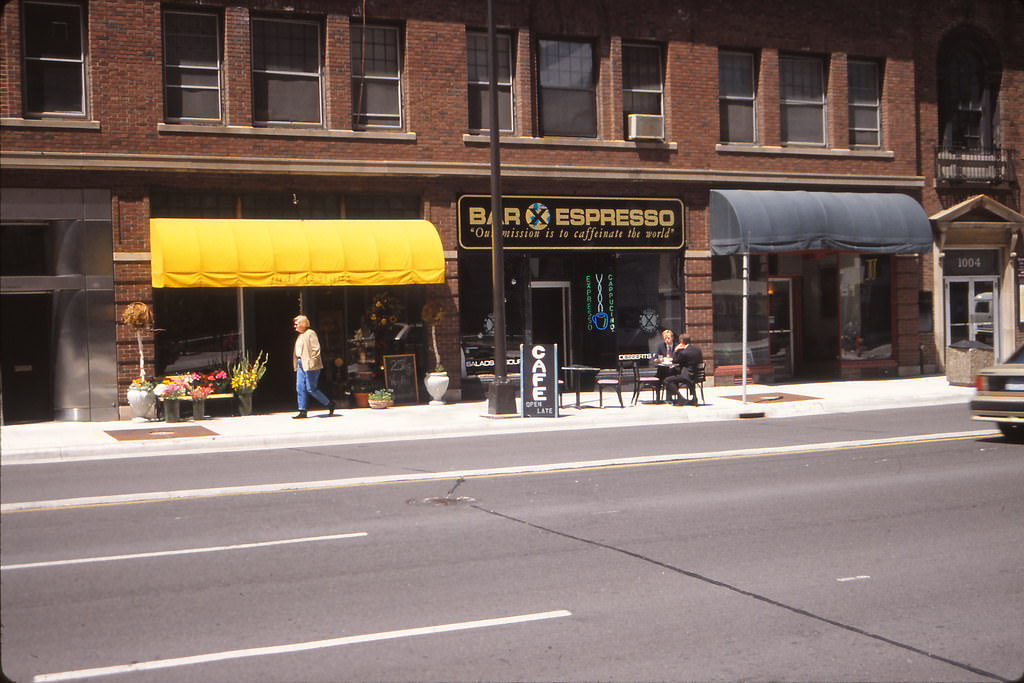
(604, 379)
(643, 381)
(699, 377)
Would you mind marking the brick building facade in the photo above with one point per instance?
(113, 114)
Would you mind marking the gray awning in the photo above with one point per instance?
(767, 221)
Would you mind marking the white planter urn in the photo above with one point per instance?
(437, 385)
(143, 404)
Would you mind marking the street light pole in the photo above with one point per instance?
(501, 398)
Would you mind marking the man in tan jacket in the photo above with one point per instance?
(307, 364)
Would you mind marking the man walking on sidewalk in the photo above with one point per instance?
(307, 364)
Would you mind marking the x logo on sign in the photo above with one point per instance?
(538, 216)
(648, 319)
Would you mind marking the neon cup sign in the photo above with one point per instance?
(599, 293)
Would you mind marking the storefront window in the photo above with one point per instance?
(476, 316)
(598, 306)
(727, 302)
(648, 300)
(866, 307)
(197, 329)
(200, 327)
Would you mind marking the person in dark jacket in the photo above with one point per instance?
(685, 359)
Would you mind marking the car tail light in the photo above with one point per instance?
(981, 383)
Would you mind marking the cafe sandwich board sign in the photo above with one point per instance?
(538, 379)
(533, 222)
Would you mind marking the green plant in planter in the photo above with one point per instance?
(382, 395)
(362, 386)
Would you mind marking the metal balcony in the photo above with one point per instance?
(985, 167)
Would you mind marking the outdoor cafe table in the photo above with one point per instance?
(576, 372)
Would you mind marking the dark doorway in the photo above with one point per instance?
(268, 328)
(549, 321)
(27, 366)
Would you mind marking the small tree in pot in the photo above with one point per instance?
(436, 381)
(141, 399)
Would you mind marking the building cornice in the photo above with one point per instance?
(156, 163)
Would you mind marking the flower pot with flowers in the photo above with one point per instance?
(170, 392)
(141, 399)
(219, 380)
(383, 315)
(436, 381)
(245, 375)
(139, 318)
(199, 389)
(381, 398)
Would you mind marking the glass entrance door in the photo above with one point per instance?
(549, 321)
(972, 311)
(780, 326)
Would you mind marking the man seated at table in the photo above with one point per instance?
(685, 358)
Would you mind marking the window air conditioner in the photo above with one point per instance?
(646, 127)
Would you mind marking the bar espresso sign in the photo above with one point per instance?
(534, 222)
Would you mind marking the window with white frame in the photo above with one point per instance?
(54, 53)
(865, 103)
(376, 77)
(478, 78)
(567, 96)
(642, 81)
(802, 99)
(286, 59)
(191, 65)
(737, 97)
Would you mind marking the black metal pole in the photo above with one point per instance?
(501, 399)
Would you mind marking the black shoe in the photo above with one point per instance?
(300, 416)
(330, 407)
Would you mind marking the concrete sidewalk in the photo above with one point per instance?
(69, 441)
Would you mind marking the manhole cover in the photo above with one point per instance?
(442, 500)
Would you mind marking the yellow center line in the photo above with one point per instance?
(589, 466)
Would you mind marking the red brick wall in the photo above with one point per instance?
(125, 86)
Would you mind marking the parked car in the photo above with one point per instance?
(999, 396)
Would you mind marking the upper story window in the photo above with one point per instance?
(737, 91)
(286, 71)
(478, 78)
(642, 90)
(191, 66)
(376, 77)
(802, 99)
(54, 75)
(567, 97)
(969, 74)
(865, 103)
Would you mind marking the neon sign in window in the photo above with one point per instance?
(599, 295)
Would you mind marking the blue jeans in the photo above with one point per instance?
(305, 385)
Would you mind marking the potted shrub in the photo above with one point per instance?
(381, 398)
(361, 389)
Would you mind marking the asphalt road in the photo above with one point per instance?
(866, 561)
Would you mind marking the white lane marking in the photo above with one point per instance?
(859, 577)
(297, 647)
(184, 551)
(487, 472)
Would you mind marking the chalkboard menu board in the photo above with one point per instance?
(401, 378)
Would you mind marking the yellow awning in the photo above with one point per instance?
(200, 252)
